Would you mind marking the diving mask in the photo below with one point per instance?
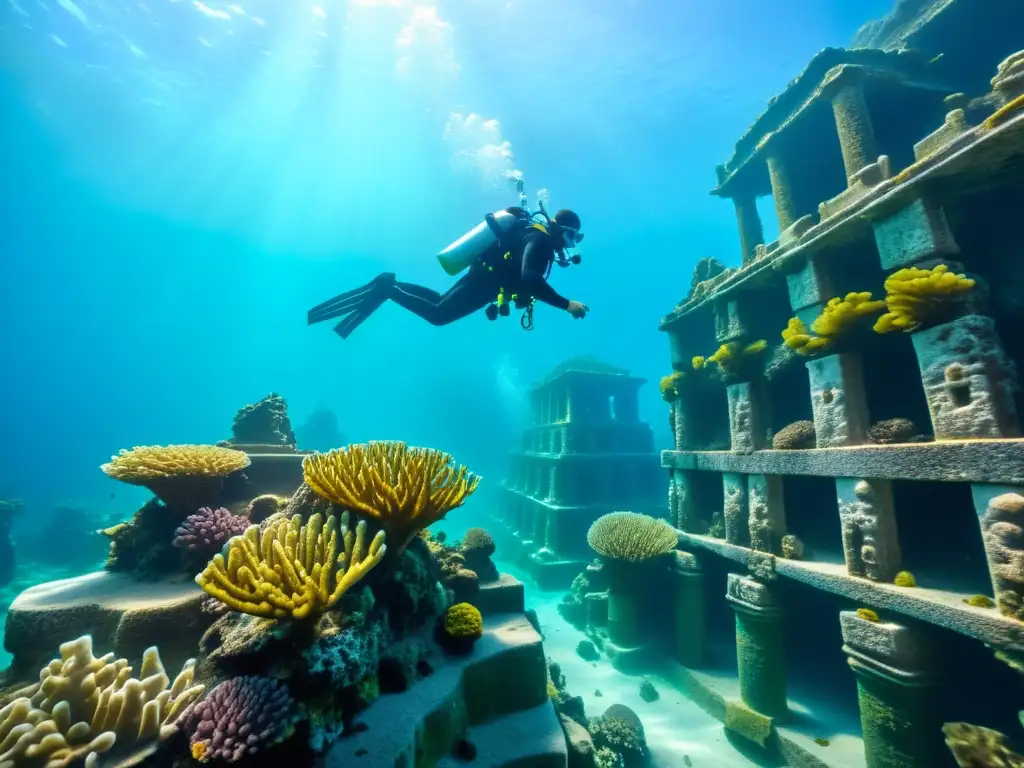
(571, 237)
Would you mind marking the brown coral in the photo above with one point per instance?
(182, 476)
(796, 436)
(631, 537)
(404, 489)
(976, 747)
(888, 431)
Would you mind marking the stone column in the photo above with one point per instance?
(736, 509)
(895, 690)
(968, 379)
(627, 584)
(917, 232)
(809, 289)
(767, 521)
(690, 613)
(870, 540)
(1001, 511)
(627, 403)
(856, 134)
(553, 471)
(760, 653)
(748, 422)
(838, 400)
(782, 191)
(749, 221)
(681, 502)
(682, 428)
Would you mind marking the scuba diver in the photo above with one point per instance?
(507, 259)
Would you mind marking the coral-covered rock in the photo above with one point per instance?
(620, 730)
(477, 549)
(208, 529)
(320, 432)
(239, 718)
(144, 547)
(265, 505)
(403, 664)
(342, 657)
(794, 437)
(888, 431)
(263, 423)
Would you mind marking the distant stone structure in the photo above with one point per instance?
(879, 174)
(587, 453)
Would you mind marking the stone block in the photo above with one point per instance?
(838, 400)
(809, 286)
(730, 321)
(506, 595)
(743, 589)
(868, 523)
(954, 126)
(767, 521)
(892, 645)
(751, 725)
(916, 233)
(969, 380)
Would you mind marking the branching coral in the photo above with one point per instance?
(839, 316)
(208, 529)
(290, 568)
(239, 718)
(179, 475)
(404, 489)
(915, 297)
(631, 537)
(86, 707)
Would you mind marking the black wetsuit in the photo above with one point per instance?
(523, 273)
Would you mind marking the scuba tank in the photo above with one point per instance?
(461, 254)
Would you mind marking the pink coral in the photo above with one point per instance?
(208, 529)
(239, 718)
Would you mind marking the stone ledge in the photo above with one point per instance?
(505, 674)
(506, 595)
(713, 691)
(967, 461)
(530, 739)
(934, 606)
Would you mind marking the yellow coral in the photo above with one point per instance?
(631, 537)
(463, 622)
(915, 296)
(84, 705)
(867, 614)
(670, 386)
(185, 475)
(291, 569)
(404, 489)
(979, 601)
(905, 579)
(698, 362)
(730, 357)
(1001, 114)
(837, 317)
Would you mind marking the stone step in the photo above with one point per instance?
(530, 739)
(504, 674)
(506, 595)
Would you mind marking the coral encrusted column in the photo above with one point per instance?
(760, 653)
(782, 191)
(690, 613)
(856, 134)
(896, 692)
(749, 222)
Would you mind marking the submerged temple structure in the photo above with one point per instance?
(847, 479)
(586, 453)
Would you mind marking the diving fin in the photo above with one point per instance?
(370, 304)
(346, 302)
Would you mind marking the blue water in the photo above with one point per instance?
(182, 180)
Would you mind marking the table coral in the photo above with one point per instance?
(290, 568)
(183, 476)
(631, 537)
(208, 529)
(404, 489)
(86, 707)
(915, 297)
(240, 717)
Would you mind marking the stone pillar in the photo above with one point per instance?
(736, 509)
(856, 134)
(627, 403)
(760, 652)
(682, 505)
(969, 381)
(690, 613)
(838, 400)
(680, 351)
(895, 690)
(809, 289)
(540, 526)
(732, 321)
(682, 428)
(748, 422)
(749, 221)
(626, 585)
(1001, 511)
(767, 519)
(553, 471)
(870, 540)
(782, 191)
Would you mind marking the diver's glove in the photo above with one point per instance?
(577, 310)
